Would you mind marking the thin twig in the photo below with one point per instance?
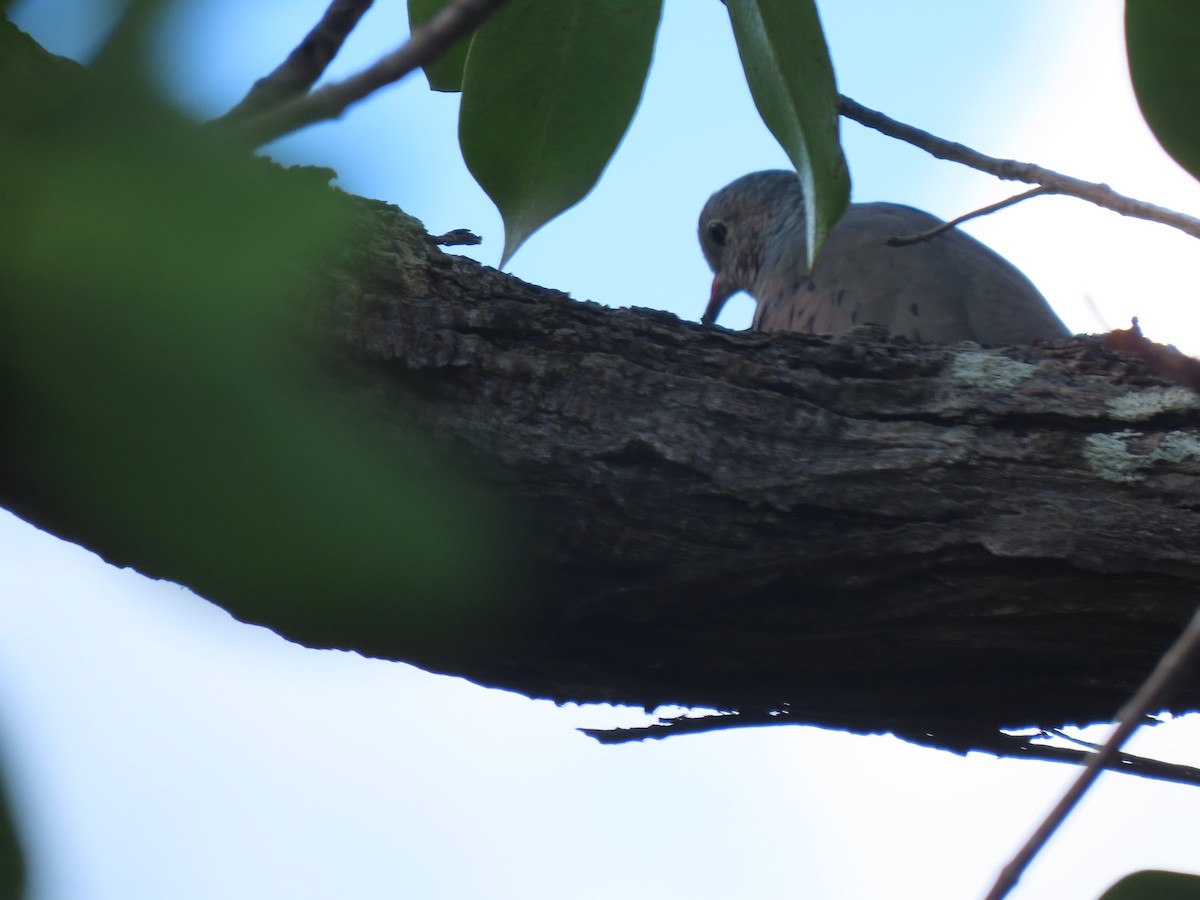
(1170, 669)
(905, 240)
(1059, 733)
(1012, 170)
(996, 743)
(1128, 763)
(426, 44)
(304, 65)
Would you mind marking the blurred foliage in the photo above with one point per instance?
(12, 864)
(787, 66)
(1155, 885)
(162, 398)
(549, 90)
(1162, 38)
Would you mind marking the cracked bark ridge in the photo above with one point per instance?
(865, 533)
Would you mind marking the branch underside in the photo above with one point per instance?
(865, 533)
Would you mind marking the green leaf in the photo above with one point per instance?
(1155, 885)
(791, 79)
(549, 91)
(1162, 38)
(446, 73)
(163, 401)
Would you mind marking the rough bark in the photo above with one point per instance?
(863, 533)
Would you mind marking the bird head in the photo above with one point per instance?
(739, 226)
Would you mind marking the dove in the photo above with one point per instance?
(946, 289)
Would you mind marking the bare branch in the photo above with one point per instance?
(1170, 669)
(997, 743)
(1128, 763)
(905, 240)
(427, 43)
(304, 65)
(1012, 170)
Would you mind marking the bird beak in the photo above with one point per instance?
(722, 290)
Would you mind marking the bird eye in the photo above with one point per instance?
(717, 233)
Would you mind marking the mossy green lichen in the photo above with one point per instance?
(1111, 458)
(985, 370)
(1138, 406)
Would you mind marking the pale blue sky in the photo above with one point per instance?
(161, 749)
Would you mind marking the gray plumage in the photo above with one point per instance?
(946, 289)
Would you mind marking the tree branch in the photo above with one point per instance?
(1127, 763)
(997, 743)
(866, 534)
(1012, 170)
(1166, 676)
(305, 64)
(427, 43)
